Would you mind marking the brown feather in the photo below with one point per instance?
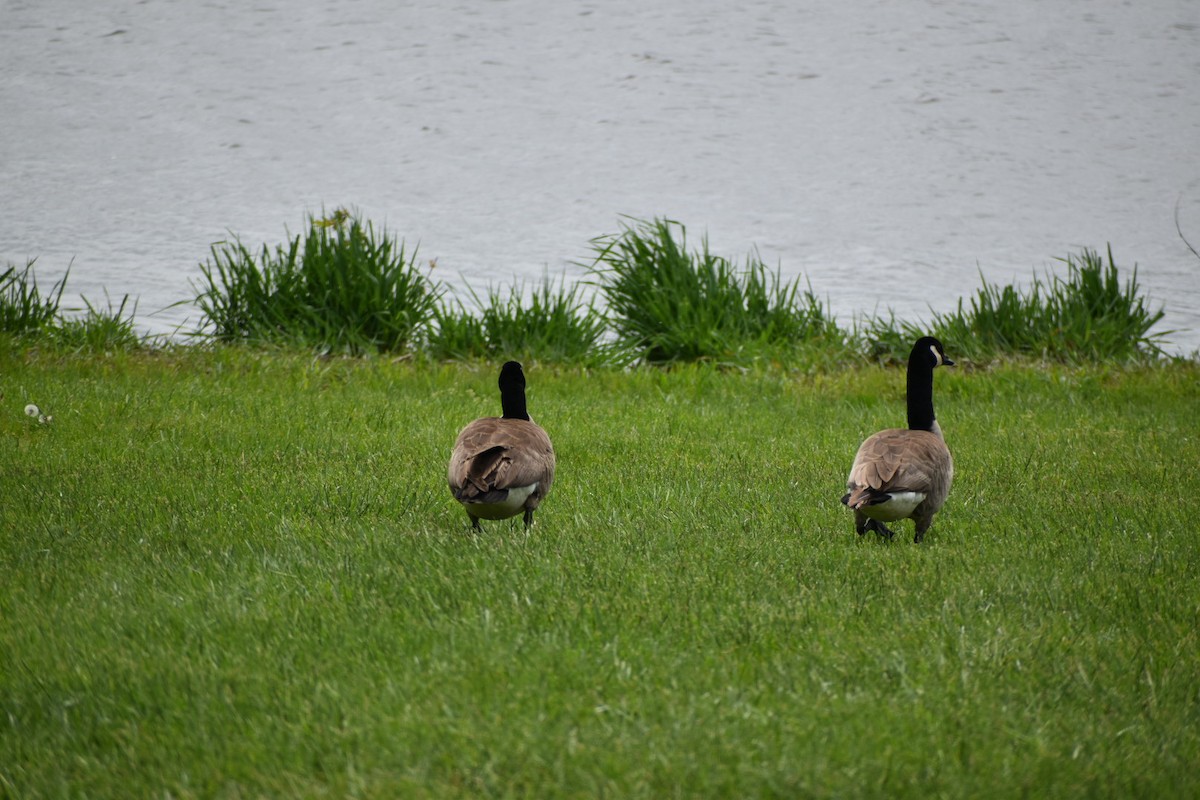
(494, 454)
(902, 460)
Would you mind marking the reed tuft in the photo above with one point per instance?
(23, 307)
(101, 329)
(669, 304)
(549, 323)
(341, 286)
(1089, 315)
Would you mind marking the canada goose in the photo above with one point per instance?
(903, 473)
(502, 465)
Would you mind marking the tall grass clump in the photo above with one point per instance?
(1097, 317)
(1087, 316)
(340, 286)
(23, 308)
(100, 329)
(550, 323)
(669, 304)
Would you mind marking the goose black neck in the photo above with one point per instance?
(512, 400)
(920, 393)
(512, 391)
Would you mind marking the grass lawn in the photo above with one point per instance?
(233, 573)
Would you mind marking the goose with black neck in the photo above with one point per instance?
(502, 466)
(904, 473)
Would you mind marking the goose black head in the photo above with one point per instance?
(512, 376)
(929, 352)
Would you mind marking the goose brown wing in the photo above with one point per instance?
(493, 454)
(898, 460)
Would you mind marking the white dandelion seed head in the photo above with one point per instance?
(32, 411)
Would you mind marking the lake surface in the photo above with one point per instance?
(890, 151)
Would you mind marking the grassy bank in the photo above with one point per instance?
(345, 287)
(235, 573)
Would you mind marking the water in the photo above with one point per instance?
(890, 151)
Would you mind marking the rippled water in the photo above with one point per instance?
(888, 150)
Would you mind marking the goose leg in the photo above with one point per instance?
(528, 518)
(881, 529)
(860, 522)
(474, 522)
(922, 526)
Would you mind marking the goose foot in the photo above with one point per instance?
(881, 529)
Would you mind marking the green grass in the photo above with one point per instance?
(235, 573)
(29, 316)
(100, 329)
(548, 323)
(671, 304)
(340, 287)
(24, 308)
(1089, 315)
